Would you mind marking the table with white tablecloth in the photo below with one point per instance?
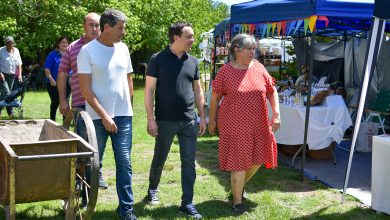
(327, 123)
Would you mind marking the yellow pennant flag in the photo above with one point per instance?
(312, 23)
(273, 28)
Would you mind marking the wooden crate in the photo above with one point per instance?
(288, 150)
(323, 154)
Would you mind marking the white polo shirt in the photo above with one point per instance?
(9, 61)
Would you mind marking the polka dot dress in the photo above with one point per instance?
(245, 136)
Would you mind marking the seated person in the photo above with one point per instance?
(303, 78)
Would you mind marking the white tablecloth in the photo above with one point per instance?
(327, 123)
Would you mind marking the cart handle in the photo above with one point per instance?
(54, 156)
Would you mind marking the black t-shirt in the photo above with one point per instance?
(174, 95)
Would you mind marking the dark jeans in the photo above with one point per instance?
(55, 99)
(121, 144)
(6, 88)
(187, 132)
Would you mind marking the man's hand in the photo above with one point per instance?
(2, 77)
(64, 107)
(152, 128)
(109, 124)
(202, 127)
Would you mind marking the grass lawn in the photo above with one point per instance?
(273, 194)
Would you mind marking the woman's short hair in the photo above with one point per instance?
(60, 39)
(241, 41)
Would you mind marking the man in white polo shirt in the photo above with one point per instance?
(104, 67)
(10, 65)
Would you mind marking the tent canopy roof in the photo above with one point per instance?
(343, 15)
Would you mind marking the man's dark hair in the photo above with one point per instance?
(177, 29)
(111, 17)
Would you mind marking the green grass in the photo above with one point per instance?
(274, 194)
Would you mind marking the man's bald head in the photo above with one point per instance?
(91, 26)
(91, 15)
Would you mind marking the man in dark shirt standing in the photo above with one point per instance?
(173, 82)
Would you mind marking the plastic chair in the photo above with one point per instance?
(351, 100)
(380, 107)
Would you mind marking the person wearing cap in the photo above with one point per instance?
(10, 65)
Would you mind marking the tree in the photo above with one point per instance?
(36, 24)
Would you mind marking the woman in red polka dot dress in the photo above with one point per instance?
(246, 134)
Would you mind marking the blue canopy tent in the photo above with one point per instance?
(221, 26)
(345, 16)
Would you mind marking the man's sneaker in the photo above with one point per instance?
(190, 211)
(152, 198)
(130, 216)
(102, 183)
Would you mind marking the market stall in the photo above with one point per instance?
(300, 18)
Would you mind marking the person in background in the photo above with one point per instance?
(246, 134)
(69, 64)
(302, 80)
(51, 71)
(104, 68)
(10, 64)
(173, 78)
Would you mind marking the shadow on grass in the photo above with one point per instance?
(355, 213)
(30, 213)
(281, 179)
(211, 209)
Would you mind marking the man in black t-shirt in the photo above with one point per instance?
(172, 81)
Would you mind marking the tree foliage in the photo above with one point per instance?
(36, 24)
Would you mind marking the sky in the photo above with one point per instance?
(232, 2)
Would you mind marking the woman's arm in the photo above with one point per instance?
(213, 113)
(48, 64)
(274, 102)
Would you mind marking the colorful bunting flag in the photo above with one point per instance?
(273, 28)
(291, 27)
(306, 24)
(268, 29)
(253, 28)
(299, 23)
(265, 27)
(312, 23)
(324, 18)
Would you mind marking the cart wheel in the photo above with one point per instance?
(87, 169)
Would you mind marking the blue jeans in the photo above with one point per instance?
(6, 89)
(121, 144)
(187, 133)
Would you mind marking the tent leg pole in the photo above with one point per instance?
(375, 40)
